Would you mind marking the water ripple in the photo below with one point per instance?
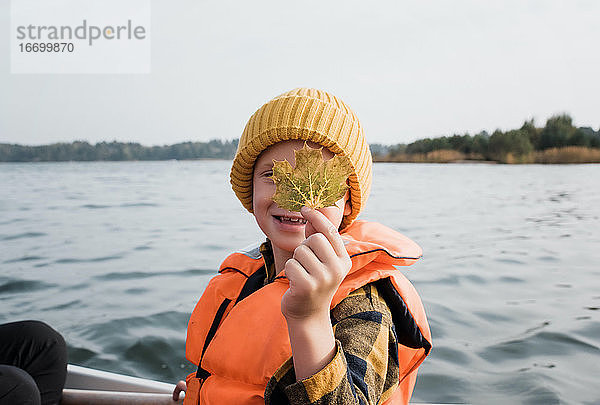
(141, 274)
(95, 206)
(66, 305)
(540, 344)
(451, 355)
(24, 235)
(17, 286)
(24, 259)
(92, 260)
(530, 388)
(509, 279)
(11, 221)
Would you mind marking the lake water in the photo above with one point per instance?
(114, 255)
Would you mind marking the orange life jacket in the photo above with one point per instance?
(238, 344)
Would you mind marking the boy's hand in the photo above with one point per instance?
(316, 270)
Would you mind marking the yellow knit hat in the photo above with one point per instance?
(310, 115)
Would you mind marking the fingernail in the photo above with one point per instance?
(304, 209)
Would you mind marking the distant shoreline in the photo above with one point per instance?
(558, 142)
(564, 155)
(459, 161)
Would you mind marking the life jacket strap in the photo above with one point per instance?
(252, 284)
(201, 373)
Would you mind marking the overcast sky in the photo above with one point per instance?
(409, 69)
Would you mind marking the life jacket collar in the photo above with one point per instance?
(367, 241)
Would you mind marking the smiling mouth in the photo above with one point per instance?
(288, 220)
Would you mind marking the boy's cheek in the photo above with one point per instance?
(268, 189)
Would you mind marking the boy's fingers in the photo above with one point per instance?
(320, 246)
(323, 225)
(296, 274)
(307, 258)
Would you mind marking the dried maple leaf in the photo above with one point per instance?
(314, 182)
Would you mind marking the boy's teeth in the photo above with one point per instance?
(295, 220)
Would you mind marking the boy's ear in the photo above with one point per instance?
(348, 204)
(347, 207)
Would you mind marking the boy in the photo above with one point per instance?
(313, 316)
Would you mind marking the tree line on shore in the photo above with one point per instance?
(114, 151)
(559, 141)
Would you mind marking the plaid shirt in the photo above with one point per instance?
(364, 369)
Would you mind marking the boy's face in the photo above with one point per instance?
(275, 222)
